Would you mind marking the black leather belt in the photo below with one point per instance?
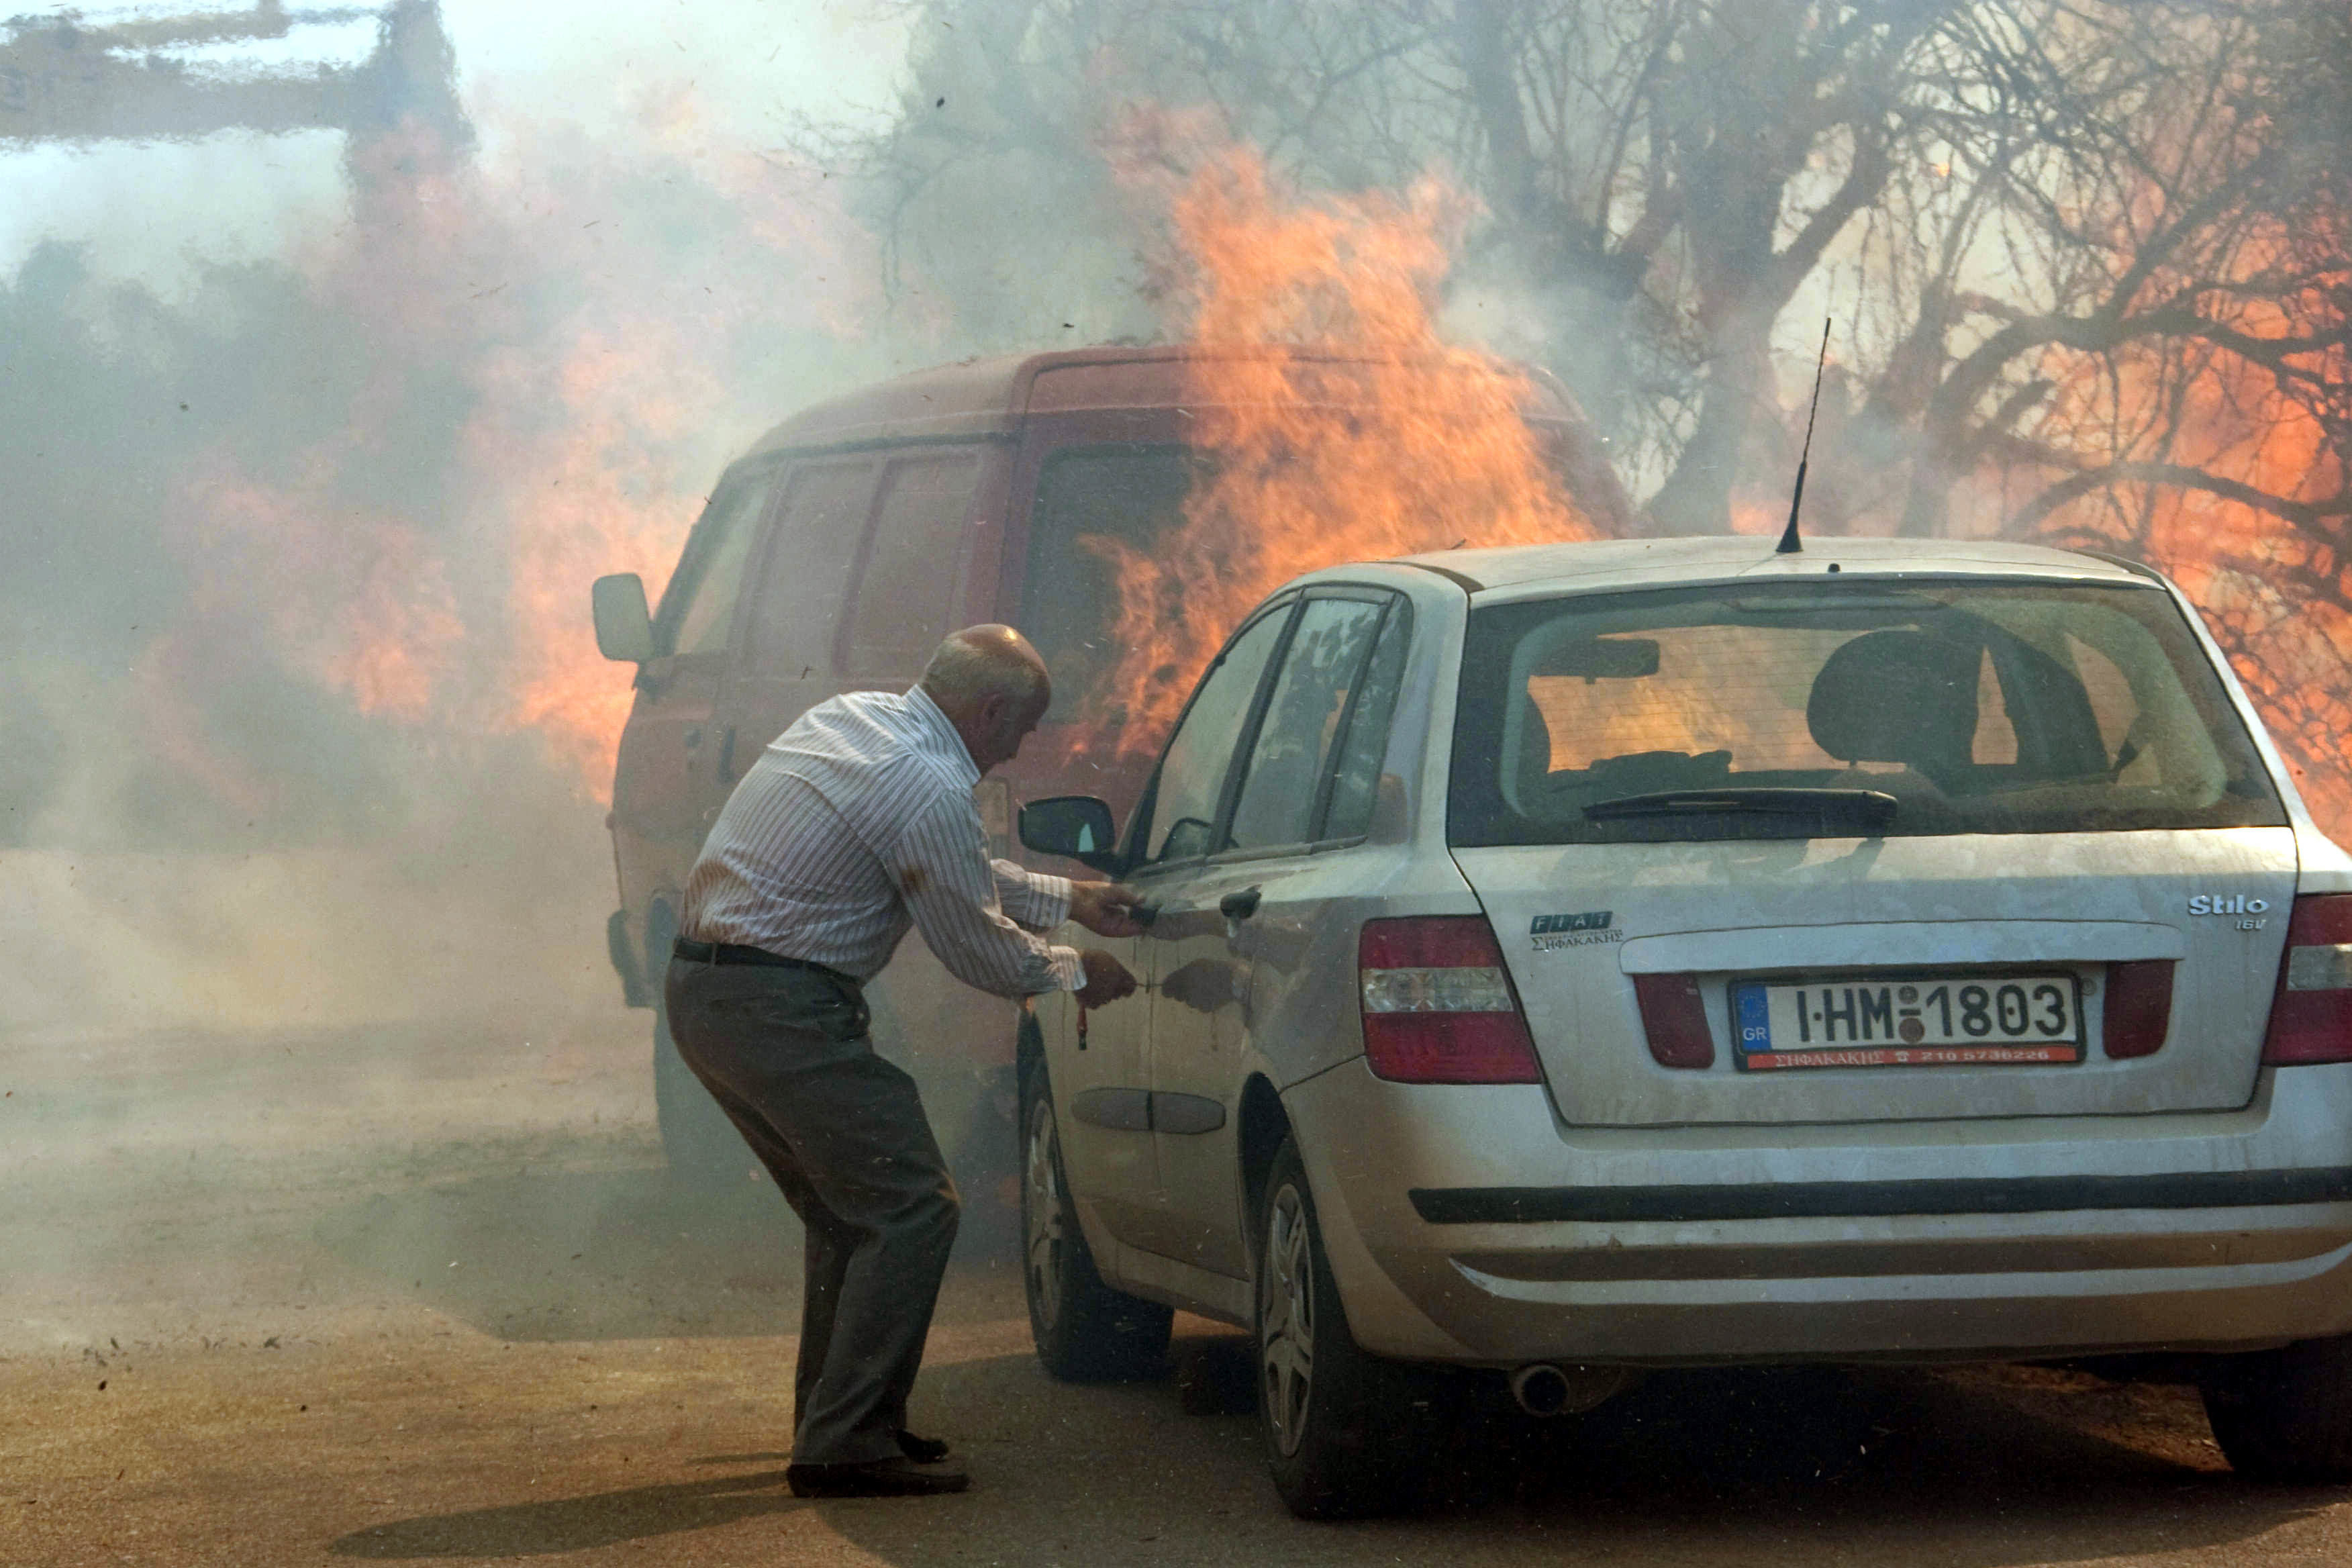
(694, 952)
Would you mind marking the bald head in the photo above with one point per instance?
(993, 687)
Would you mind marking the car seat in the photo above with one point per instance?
(1904, 697)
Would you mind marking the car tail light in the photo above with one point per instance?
(2138, 1014)
(1438, 1006)
(2310, 1017)
(1674, 1019)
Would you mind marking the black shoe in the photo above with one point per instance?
(922, 1450)
(876, 1477)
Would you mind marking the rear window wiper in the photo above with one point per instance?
(1866, 807)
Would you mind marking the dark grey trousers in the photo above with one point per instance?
(784, 1051)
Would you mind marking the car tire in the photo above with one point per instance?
(704, 1150)
(2284, 1414)
(1084, 1330)
(1342, 1427)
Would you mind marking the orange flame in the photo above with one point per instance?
(591, 376)
(2279, 596)
(359, 603)
(1343, 427)
(589, 496)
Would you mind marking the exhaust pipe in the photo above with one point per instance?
(1540, 1389)
(1543, 1389)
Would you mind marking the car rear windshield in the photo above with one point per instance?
(1857, 710)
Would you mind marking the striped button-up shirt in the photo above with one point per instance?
(857, 822)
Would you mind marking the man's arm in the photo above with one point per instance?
(1040, 902)
(1032, 899)
(939, 862)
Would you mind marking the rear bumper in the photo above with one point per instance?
(1467, 1224)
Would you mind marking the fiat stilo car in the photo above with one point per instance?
(1575, 960)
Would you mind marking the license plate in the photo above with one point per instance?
(1900, 1021)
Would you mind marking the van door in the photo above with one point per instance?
(787, 664)
(667, 787)
(1087, 486)
(1271, 875)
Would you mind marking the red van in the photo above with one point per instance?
(833, 557)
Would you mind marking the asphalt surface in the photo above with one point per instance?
(426, 1295)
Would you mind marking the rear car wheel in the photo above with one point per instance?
(1085, 1331)
(1342, 1427)
(2285, 1415)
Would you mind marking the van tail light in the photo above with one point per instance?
(2310, 1017)
(1438, 1005)
(2138, 1014)
(1674, 1020)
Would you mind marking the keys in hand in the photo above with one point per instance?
(1105, 908)
(1108, 979)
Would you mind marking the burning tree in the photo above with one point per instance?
(2089, 259)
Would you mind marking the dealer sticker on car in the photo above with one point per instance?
(1975, 1020)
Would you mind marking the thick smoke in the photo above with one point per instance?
(301, 727)
(302, 556)
(2075, 301)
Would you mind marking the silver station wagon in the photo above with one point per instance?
(1575, 960)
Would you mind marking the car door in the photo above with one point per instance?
(1247, 908)
(1169, 843)
(1102, 1104)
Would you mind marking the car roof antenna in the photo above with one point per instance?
(1789, 543)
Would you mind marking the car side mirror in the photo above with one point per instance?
(1075, 827)
(625, 630)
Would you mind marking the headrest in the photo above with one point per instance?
(1896, 697)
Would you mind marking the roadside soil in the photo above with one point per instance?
(428, 1294)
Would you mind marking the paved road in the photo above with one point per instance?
(429, 1299)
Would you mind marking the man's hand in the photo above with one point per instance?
(1105, 908)
(1108, 980)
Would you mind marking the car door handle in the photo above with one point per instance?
(1240, 906)
(727, 756)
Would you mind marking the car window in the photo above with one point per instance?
(697, 610)
(1356, 780)
(1189, 786)
(1981, 707)
(807, 570)
(1091, 503)
(1288, 762)
(906, 593)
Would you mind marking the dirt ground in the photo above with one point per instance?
(425, 1294)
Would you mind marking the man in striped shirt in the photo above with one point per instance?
(856, 823)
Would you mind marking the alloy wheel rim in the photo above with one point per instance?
(1287, 1321)
(1042, 1219)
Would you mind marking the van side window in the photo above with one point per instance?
(907, 591)
(807, 568)
(697, 611)
(1302, 723)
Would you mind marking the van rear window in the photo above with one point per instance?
(1090, 501)
(1987, 706)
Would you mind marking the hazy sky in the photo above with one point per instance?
(742, 71)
